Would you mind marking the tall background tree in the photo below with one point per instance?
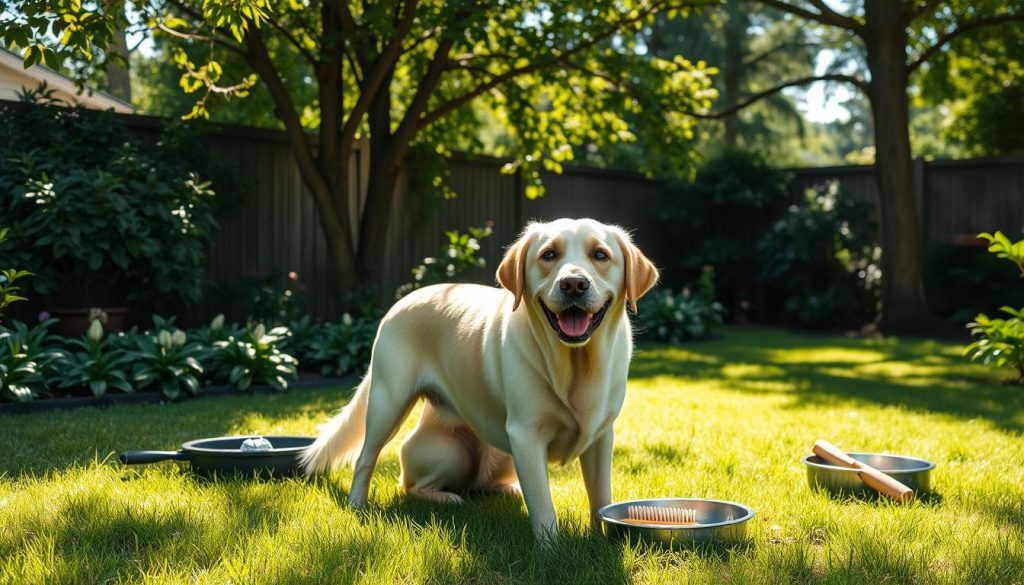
(401, 73)
(888, 41)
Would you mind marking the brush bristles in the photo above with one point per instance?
(663, 515)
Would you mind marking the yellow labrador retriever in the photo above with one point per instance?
(512, 378)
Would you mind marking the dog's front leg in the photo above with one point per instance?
(596, 464)
(530, 453)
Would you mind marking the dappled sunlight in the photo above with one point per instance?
(822, 355)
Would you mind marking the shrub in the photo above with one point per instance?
(669, 317)
(963, 282)
(457, 258)
(1001, 341)
(720, 217)
(253, 356)
(302, 335)
(819, 262)
(88, 208)
(345, 347)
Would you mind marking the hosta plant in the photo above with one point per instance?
(670, 317)
(344, 348)
(302, 335)
(216, 331)
(254, 356)
(98, 366)
(167, 361)
(21, 378)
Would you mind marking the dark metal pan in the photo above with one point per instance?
(224, 456)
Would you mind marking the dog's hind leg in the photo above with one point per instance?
(390, 399)
(436, 461)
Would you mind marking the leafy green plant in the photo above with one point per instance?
(457, 257)
(1002, 247)
(168, 361)
(673, 318)
(1001, 341)
(254, 356)
(344, 347)
(302, 334)
(98, 367)
(217, 330)
(20, 374)
(8, 278)
(819, 262)
(86, 206)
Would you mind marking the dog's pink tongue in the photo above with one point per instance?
(573, 323)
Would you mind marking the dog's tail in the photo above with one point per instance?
(340, 438)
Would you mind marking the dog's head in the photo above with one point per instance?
(570, 272)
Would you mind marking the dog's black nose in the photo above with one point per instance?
(574, 286)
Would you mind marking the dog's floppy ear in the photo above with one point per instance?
(512, 270)
(641, 274)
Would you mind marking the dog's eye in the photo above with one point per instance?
(549, 255)
(600, 255)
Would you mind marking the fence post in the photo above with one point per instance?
(922, 200)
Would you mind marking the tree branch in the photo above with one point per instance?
(827, 16)
(962, 28)
(380, 71)
(751, 99)
(769, 52)
(561, 57)
(260, 61)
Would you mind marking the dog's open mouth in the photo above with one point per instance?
(575, 325)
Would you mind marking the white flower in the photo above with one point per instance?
(218, 322)
(164, 339)
(452, 253)
(429, 260)
(346, 319)
(670, 301)
(179, 338)
(95, 333)
(259, 331)
(473, 244)
(450, 270)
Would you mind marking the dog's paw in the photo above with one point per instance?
(434, 495)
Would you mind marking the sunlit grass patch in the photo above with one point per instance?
(727, 419)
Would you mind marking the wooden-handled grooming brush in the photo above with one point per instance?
(660, 515)
(874, 478)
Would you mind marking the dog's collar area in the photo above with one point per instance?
(574, 314)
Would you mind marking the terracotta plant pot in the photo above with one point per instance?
(75, 322)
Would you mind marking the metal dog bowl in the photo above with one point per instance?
(718, 522)
(910, 471)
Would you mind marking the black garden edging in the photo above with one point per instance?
(74, 402)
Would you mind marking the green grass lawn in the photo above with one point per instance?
(726, 419)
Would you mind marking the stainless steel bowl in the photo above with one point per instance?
(718, 522)
(912, 472)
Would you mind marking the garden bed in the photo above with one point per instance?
(305, 381)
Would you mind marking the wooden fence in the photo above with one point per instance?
(276, 229)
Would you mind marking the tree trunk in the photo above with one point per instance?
(904, 302)
(119, 82)
(386, 156)
(732, 66)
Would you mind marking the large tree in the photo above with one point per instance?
(887, 42)
(397, 73)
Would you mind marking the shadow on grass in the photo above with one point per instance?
(39, 443)
(913, 374)
(496, 532)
